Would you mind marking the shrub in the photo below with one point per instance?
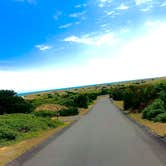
(45, 113)
(150, 112)
(50, 96)
(161, 118)
(7, 134)
(11, 103)
(92, 96)
(163, 97)
(69, 112)
(81, 100)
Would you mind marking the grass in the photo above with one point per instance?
(18, 127)
(119, 104)
(8, 153)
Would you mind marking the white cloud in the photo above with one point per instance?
(103, 3)
(140, 2)
(81, 5)
(139, 57)
(122, 7)
(65, 26)
(78, 14)
(148, 8)
(163, 4)
(43, 47)
(109, 12)
(95, 40)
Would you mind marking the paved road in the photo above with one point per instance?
(104, 137)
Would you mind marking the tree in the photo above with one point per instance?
(82, 101)
(11, 103)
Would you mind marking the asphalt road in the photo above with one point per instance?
(104, 137)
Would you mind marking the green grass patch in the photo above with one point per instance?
(17, 127)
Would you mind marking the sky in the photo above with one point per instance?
(65, 43)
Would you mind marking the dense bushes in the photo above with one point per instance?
(92, 96)
(81, 100)
(7, 134)
(150, 99)
(69, 112)
(117, 93)
(138, 96)
(11, 103)
(156, 108)
(161, 118)
(45, 113)
(14, 126)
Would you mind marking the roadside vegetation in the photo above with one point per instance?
(23, 117)
(147, 98)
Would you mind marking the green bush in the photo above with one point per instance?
(156, 108)
(69, 112)
(81, 100)
(50, 96)
(92, 96)
(161, 118)
(151, 114)
(45, 113)
(11, 103)
(7, 134)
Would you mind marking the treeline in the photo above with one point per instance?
(150, 99)
(11, 103)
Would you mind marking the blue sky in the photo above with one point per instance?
(62, 43)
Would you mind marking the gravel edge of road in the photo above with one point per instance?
(145, 128)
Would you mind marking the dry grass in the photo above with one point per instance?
(119, 104)
(50, 107)
(158, 128)
(8, 153)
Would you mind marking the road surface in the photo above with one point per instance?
(104, 137)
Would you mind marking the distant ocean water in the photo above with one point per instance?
(77, 87)
(36, 92)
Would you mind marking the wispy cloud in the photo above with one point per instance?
(81, 5)
(163, 4)
(95, 40)
(78, 14)
(140, 2)
(43, 47)
(57, 15)
(109, 12)
(103, 3)
(65, 26)
(146, 9)
(122, 7)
